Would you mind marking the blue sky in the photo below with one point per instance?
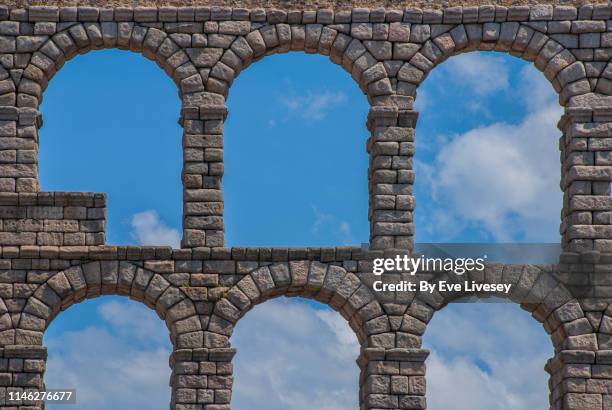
(296, 175)
(110, 125)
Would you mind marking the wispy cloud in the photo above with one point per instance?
(327, 224)
(314, 105)
(149, 229)
(119, 363)
(294, 355)
(478, 74)
(482, 74)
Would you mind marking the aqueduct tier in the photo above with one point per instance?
(53, 244)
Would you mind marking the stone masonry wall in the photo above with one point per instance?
(52, 247)
(293, 5)
(52, 219)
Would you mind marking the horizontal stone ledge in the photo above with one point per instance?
(578, 114)
(400, 354)
(589, 103)
(588, 173)
(325, 13)
(236, 254)
(87, 199)
(25, 352)
(106, 252)
(202, 354)
(204, 112)
(589, 232)
(590, 203)
(389, 116)
(565, 357)
(577, 356)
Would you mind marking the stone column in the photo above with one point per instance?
(202, 379)
(580, 380)
(19, 149)
(21, 370)
(390, 177)
(586, 152)
(202, 172)
(392, 378)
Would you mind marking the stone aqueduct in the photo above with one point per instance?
(53, 245)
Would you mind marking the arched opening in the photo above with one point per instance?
(295, 162)
(480, 360)
(487, 171)
(113, 352)
(123, 108)
(487, 156)
(295, 354)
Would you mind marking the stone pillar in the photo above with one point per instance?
(19, 149)
(202, 379)
(392, 378)
(390, 177)
(21, 370)
(586, 152)
(202, 172)
(580, 380)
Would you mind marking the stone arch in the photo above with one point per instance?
(49, 56)
(329, 284)
(366, 62)
(535, 289)
(565, 71)
(352, 54)
(155, 44)
(489, 337)
(560, 66)
(79, 282)
(603, 326)
(6, 323)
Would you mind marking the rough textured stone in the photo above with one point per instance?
(53, 247)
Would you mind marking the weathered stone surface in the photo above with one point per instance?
(52, 243)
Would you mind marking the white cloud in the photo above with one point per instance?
(314, 106)
(119, 363)
(482, 74)
(536, 93)
(503, 178)
(293, 355)
(347, 346)
(148, 229)
(479, 361)
(460, 385)
(123, 316)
